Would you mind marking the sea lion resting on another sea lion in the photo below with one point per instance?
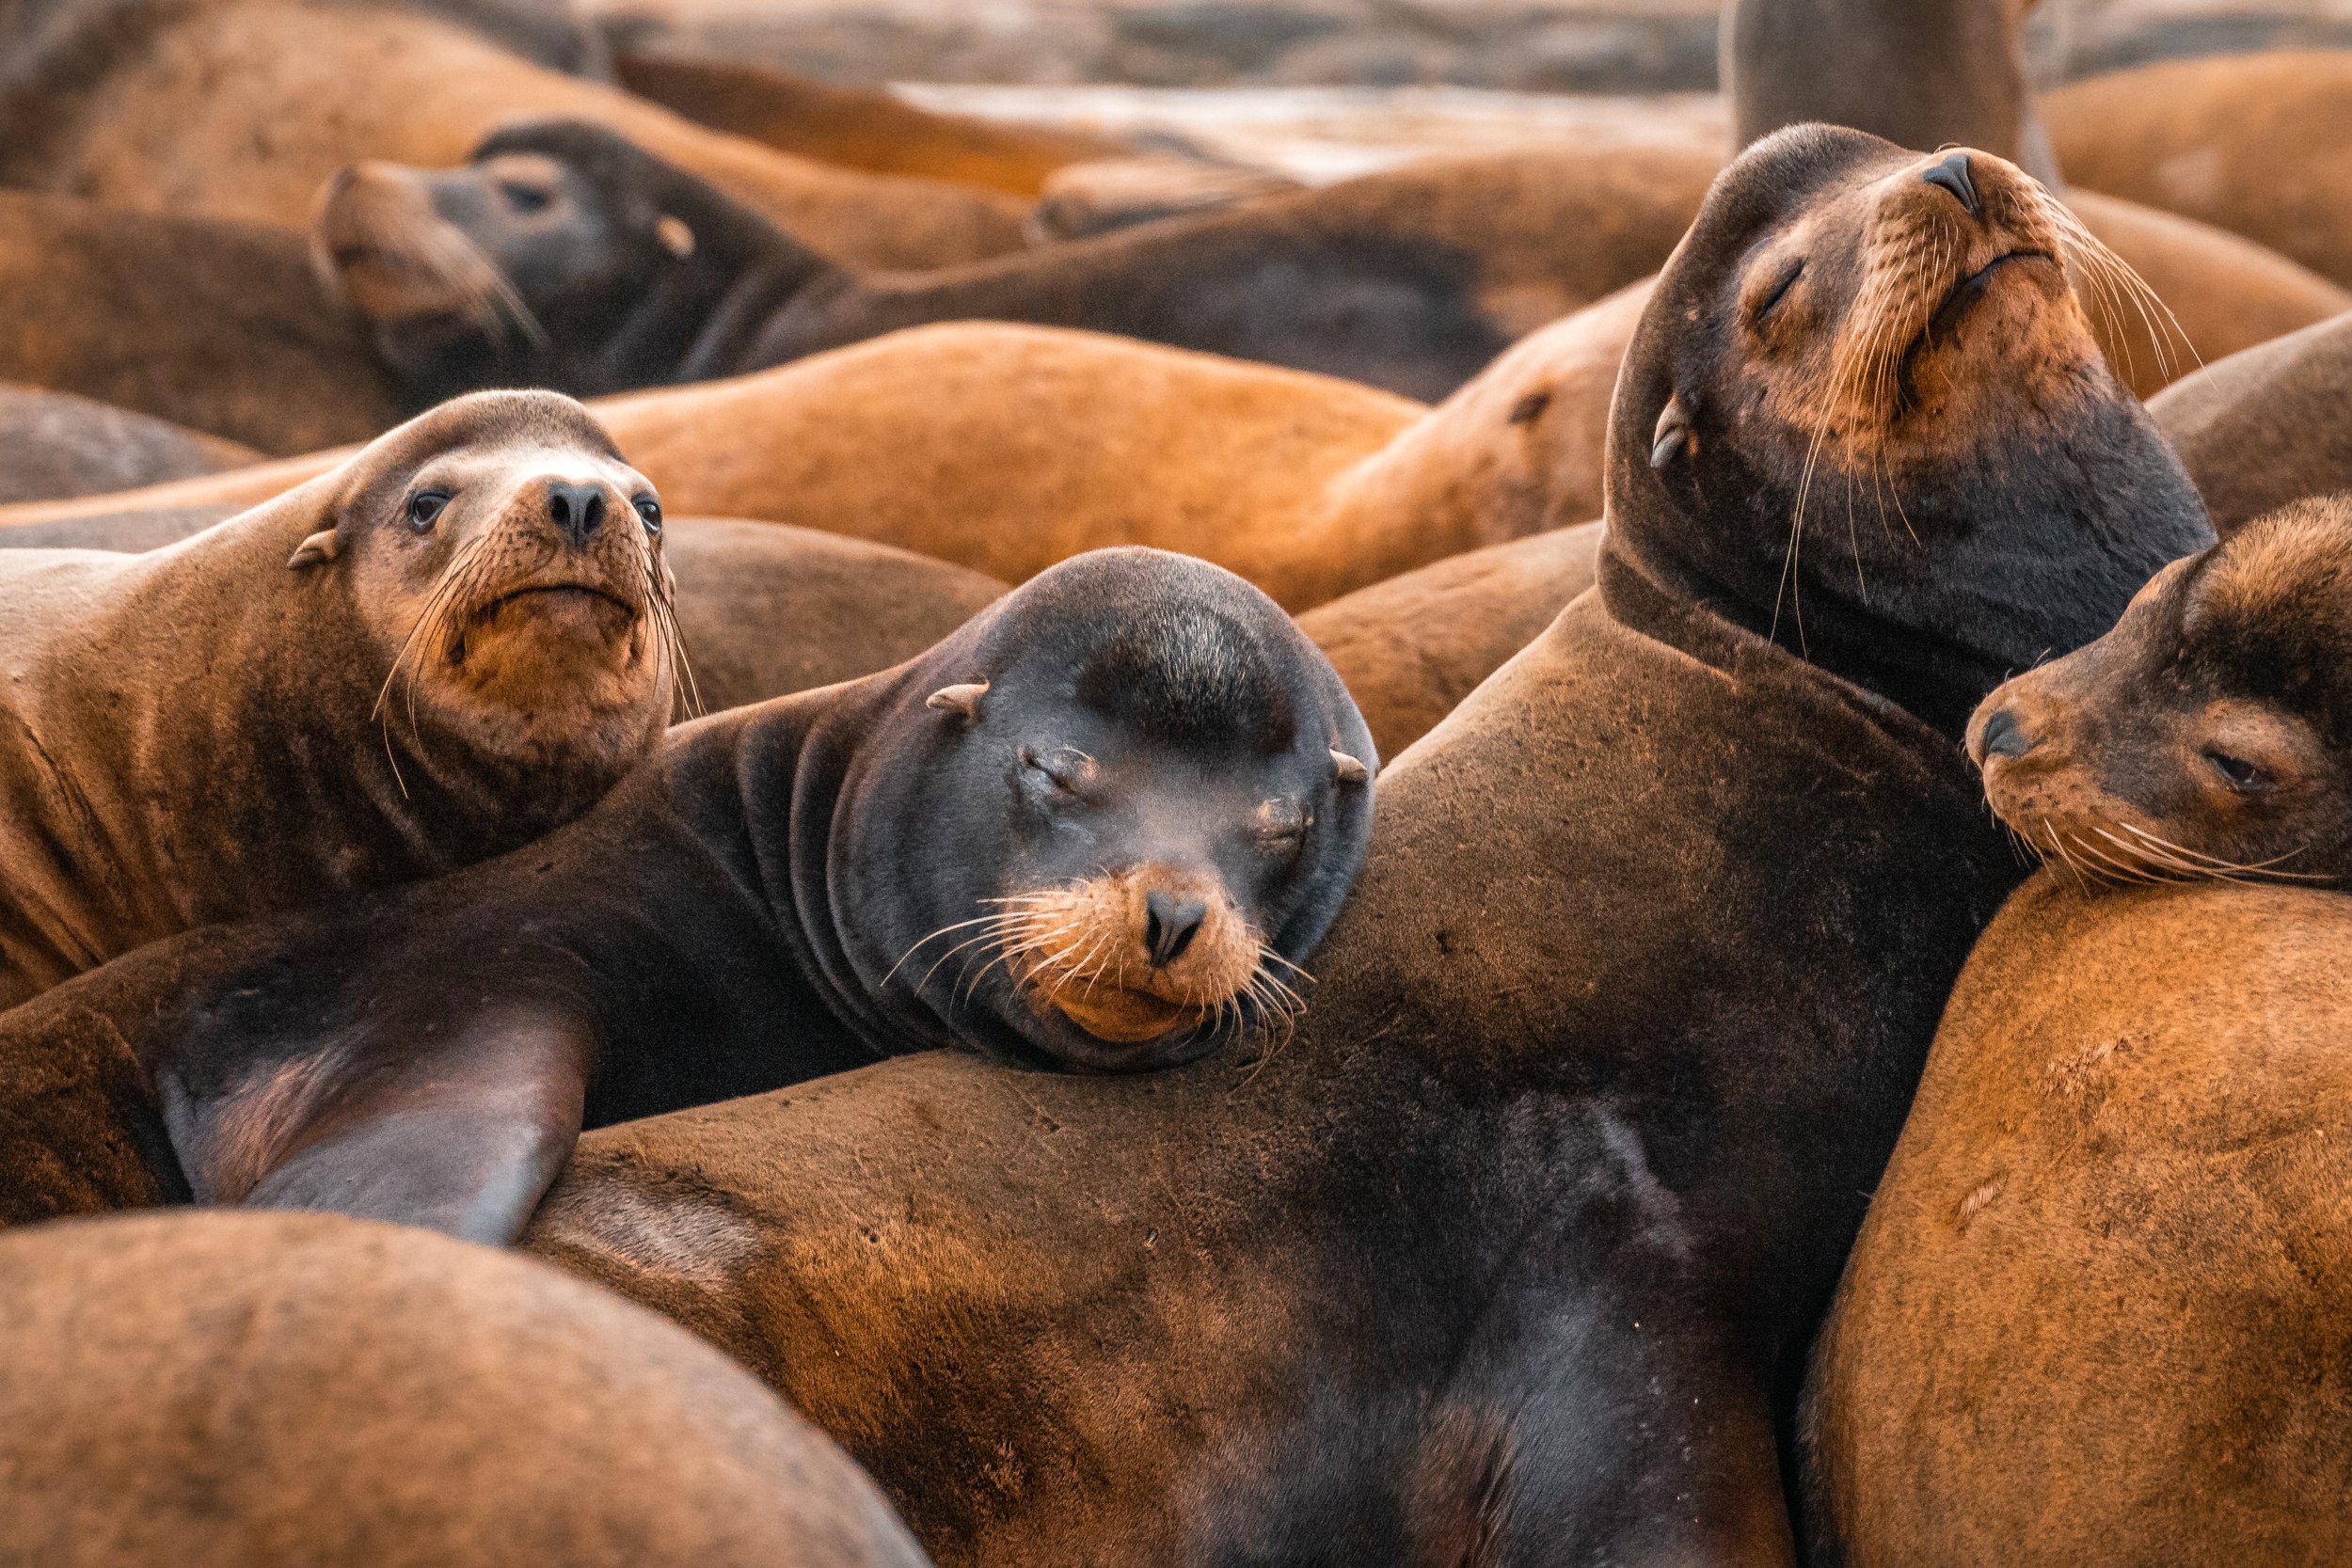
(2267, 426)
(450, 644)
(240, 1390)
(55, 445)
(1502, 1257)
(1098, 827)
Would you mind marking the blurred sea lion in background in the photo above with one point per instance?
(56, 445)
(1083, 199)
(226, 1390)
(2267, 426)
(243, 108)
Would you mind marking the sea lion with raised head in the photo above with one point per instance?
(2267, 426)
(439, 650)
(243, 108)
(1410, 279)
(1098, 828)
(246, 1390)
(1512, 1254)
(57, 445)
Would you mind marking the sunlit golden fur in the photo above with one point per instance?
(376, 241)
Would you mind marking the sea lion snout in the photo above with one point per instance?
(1953, 174)
(577, 509)
(1999, 732)
(1171, 922)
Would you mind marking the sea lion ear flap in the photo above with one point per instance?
(1674, 433)
(675, 236)
(317, 550)
(964, 700)
(1349, 770)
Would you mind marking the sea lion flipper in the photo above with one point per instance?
(462, 1140)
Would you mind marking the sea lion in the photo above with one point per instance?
(239, 1390)
(1410, 279)
(1503, 1258)
(2267, 426)
(437, 650)
(1097, 828)
(1411, 648)
(1105, 194)
(55, 445)
(2259, 145)
(858, 127)
(218, 326)
(243, 108)
(1007, 448)
(2205, 735)
(2097, 1315)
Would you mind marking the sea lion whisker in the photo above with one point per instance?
(2262, 867)
(1266, 954)
(956, 926)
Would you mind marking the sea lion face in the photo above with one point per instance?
(507, 565)
(1141, 814)
(2206, 736)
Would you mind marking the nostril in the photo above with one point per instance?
(1952, 174)
(576, 510)
(1169, 924)
(2004, 736)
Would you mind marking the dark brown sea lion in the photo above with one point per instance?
(858, 127)
(2267, 426)
(55, 445)
(1411, 648)
(218, 326)
(441, 649)
(265, 1390)
(243, 108)
(1097, 828)
(1410, 279)
(2259, 145)
(2207, 734)
(2098, 1316)
(1503, 1258)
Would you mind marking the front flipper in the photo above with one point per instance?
(461, 1135)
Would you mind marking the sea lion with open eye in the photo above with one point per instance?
(2210, 732)
(444, 647)
(1098, 828)
(1513, 1253)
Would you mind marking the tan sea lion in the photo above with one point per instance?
(243, 108)
(56, 445)
(218, 326)
(451, 643)
(1503, 1256)
(264, 1390)
(2267, 426)
(857, 127)
(1105, 194)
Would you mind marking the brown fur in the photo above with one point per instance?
(229, 1390)
(2098, 1315)
(56, 445)
(317, 697)
(2268, 425)
(857, 127)
(244, 108)
(1104, 194)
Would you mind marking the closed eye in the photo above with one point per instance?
(1780, 290)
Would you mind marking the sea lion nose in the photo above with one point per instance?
(1171, 921)
(2003, 735)
(576, 510)
(1952, 175)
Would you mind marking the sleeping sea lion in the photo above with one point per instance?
(2097, 1317)
(450, 644)
(857, 127)
(1505, 1255)
(1410, 279)
(1100, 827)
(218, 326)
(2266, 426)
(243, 108)
(55, 445)
(249, 1390)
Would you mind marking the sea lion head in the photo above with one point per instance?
(1864, 415)
(2210, 734)
(506, 566)
(560, 255)
(1113, 822)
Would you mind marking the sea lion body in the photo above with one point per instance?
(243, 108)
(2266, 426)
(1092, 830)
(56, 445)
(218, 326)
(1504, 1255)
(376, 1397)
(267, 715)
(1412, 280)
(2097, 1314)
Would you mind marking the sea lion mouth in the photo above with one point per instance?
(1964, 295)
(1120, 1015)
(578, 593)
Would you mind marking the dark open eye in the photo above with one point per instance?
(1780, 290)
(425, 506)
(522, 197)
(2237, 772)
(650, 509)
